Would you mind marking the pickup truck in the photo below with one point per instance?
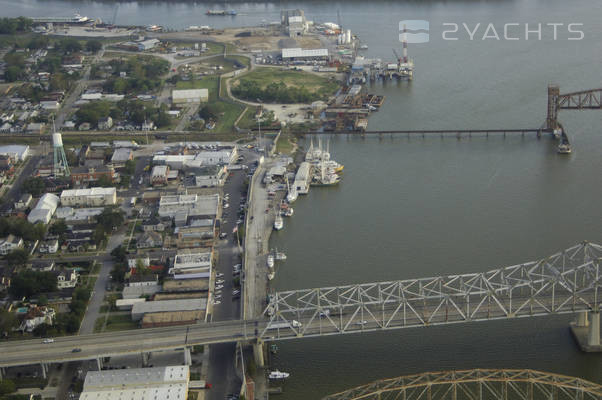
(284, 324)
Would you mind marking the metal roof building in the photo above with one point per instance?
(189, 96)
(304, 53)
(137, 384)
(139, 309)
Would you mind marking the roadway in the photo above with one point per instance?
(375, 317)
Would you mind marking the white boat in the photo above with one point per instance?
(564, 148)
(280, 256)
(271, 275)
(278, 223)
(279, 375)
(292, 194)
(288, 212)
(364, 47)
(271, 261)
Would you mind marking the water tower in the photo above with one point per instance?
(60, 166)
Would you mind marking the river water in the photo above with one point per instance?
(416, 207)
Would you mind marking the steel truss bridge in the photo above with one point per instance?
(566, 282)
(476, 384)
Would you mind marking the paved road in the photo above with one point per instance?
(30, 165)
(353, 319)
(98, 294)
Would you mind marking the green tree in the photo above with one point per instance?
(28, 283)
(7, 386)
(34, 185)
(93, 45)
(130, 167)
(8, 321)
(110, 218)
(58, 228)
(17, 257)
(13, 74)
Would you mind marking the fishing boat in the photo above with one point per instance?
(273, 348)
(271, 275)
(279, 256)
(270, 261)
(278, 375)
(364, 47)
(287, 212)
(278, 223)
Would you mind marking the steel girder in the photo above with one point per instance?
(476, 384)
(587, 99)
(566, 282)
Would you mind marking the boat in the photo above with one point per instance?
(287, 212)
(292, 194)
(271, 261)
(273, 348)
(278, 375)
(278, 223)
(271, 275)
(221, 12)
(280, 256)
(564, 148)
(364, 47)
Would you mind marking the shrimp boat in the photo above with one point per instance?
(279, 256)
(292, 194)
(287, 212)
(278, 223)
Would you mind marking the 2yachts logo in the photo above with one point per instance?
(418, 31)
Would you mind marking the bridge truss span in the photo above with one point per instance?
(476, 384)
(566, 282)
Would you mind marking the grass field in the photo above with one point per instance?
(115, 323)
(312, 82)
(206, 82)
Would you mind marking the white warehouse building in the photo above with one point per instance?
(189, 96)
(44, 210)
(93, 197)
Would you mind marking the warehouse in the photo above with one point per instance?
(15, 152)
(140, 309)
(44, 210)
(159, 175)
(304, 54)
(189, 96)
(93, 197)
(189, 206)
(154, 320)
(147, 44)
(137, 383)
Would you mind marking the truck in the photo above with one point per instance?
(284, 324)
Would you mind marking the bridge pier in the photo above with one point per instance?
(99, 363)
(187, 356)
(258, 351)
(586, 331)
(145, 359)
(44, 370)
(593, 335)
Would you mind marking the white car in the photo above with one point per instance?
(226, 205)
(219, 281)
(361, 322)
(46, 341)
(218, 296)
(217, 287)
(216, 302)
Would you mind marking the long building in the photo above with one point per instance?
(44, 210)
(93, 197)
(137, 384)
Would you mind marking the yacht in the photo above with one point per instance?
(278, 223)
(279, 375)
(280, 256)
(271, 261)
(292, 194)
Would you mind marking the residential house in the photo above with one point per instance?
(133, 261)
(66, 278)
(36, 316)
(10, 243)
(149, 239)
(153, 224)
(23, 202)
(49, 246)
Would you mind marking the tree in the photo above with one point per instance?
(7, 386)
(93, 45)
(110, 218)
(42, 300)
(8, 321)
(28, 283)
(13, 73)
(34, 185)
(105, 181)
(17, 257)
(130, 167)
(58, 228)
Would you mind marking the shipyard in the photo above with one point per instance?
(265, 200)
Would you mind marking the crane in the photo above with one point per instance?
(397, 56)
